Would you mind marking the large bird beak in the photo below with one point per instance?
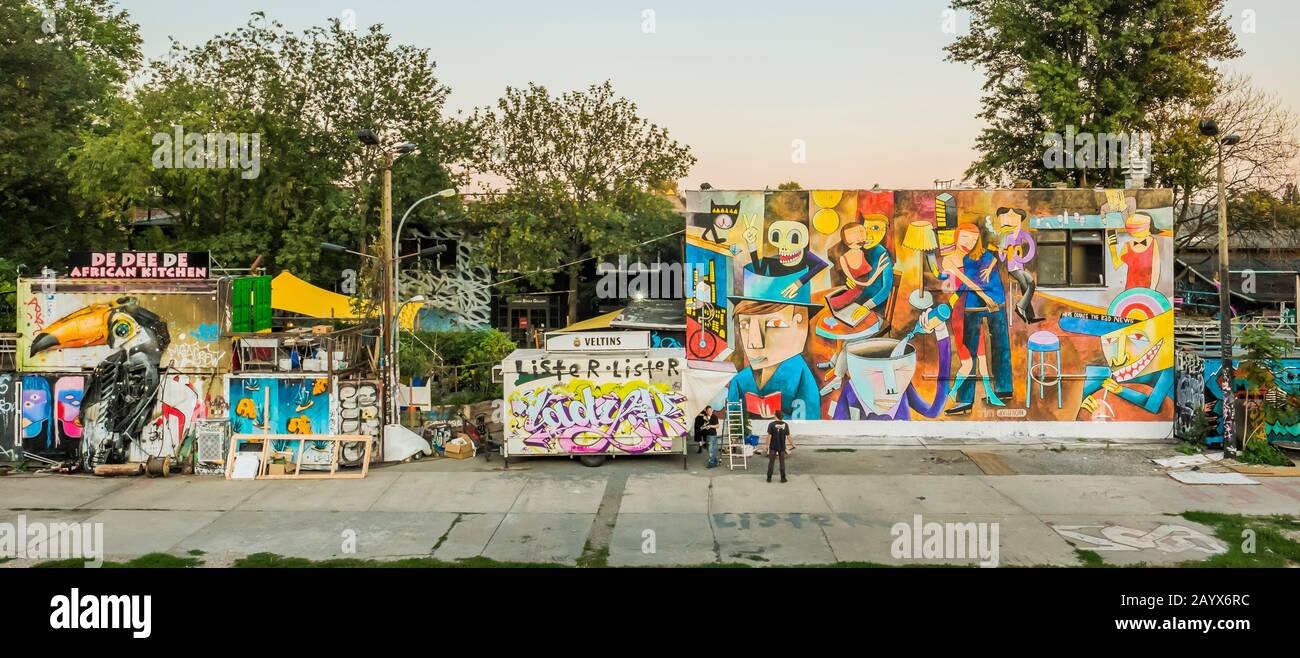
(82, 328)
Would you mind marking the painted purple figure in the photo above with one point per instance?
(880, 377)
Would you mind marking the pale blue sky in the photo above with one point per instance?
(863, 83)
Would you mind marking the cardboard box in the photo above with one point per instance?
(459, 450)
(275, 469)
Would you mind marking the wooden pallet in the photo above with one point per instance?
(267, 439)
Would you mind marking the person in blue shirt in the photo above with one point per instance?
(983, 299)
(773, 335)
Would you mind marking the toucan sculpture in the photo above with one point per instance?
(123, 390)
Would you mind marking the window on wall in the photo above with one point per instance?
(1071, 258)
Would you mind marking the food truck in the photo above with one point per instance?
(595, 395)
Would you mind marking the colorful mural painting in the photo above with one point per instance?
(283, 405)
(10, 447)
(131, 341)
(1281, 419)
(595, 405)
(948, 305)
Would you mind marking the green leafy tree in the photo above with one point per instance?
(304, 95)
(1102, 66)
(583, 177)
(1260, 362)
(61, 67)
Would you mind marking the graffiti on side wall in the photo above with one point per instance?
(1042, 305)
(180, 405)
(10, 447)
(1281, 421)
(1190, 394)
(581, 416)
(283, 405)
(49, 414)
(359, 414)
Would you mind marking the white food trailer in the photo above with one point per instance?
(595, 395)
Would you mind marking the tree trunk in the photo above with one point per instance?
(573, 294)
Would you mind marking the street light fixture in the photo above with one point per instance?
(1227, 376)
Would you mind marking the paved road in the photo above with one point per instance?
(655, 513)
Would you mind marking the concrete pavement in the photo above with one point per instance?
(654, 513)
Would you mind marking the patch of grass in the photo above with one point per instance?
(149, 561)
(195, 551)
(593, 557)
(441, 540)
(1271, 545)
(273, 561)
(1188, 448)
(1262, 453)
(5, 559)
(1090, 558)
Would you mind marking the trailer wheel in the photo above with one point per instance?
(592, 461)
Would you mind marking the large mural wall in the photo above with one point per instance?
(126, 365)
(945, 305)
(284, 405)
(580, 405)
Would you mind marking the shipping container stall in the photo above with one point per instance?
(595, 395)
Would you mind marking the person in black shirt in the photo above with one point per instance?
(702, 421)
(778, 443)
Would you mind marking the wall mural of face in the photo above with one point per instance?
(1141, 348)
(790, 239)
(875, 227)
(772, 335)
(880, 379)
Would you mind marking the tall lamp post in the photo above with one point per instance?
(388, 365)
(395, 331)
(1227, 376)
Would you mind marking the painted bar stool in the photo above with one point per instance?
(1042, 343)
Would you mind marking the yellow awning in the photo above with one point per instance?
(598, 322)
(289, 293)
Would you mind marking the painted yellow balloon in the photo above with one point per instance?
(826, 221)
(827, 198)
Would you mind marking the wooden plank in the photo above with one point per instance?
(989, 462)
(337, 439)
(1266, 471)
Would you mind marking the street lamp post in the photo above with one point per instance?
(394, 332)
(1227, 375)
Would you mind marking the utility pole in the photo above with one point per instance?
(1227, 374)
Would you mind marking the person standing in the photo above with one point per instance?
(778, 443)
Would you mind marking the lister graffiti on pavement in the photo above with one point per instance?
(628, 405)
(945, 305)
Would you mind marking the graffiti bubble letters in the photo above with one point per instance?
(1165, 538)
(583, 417)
